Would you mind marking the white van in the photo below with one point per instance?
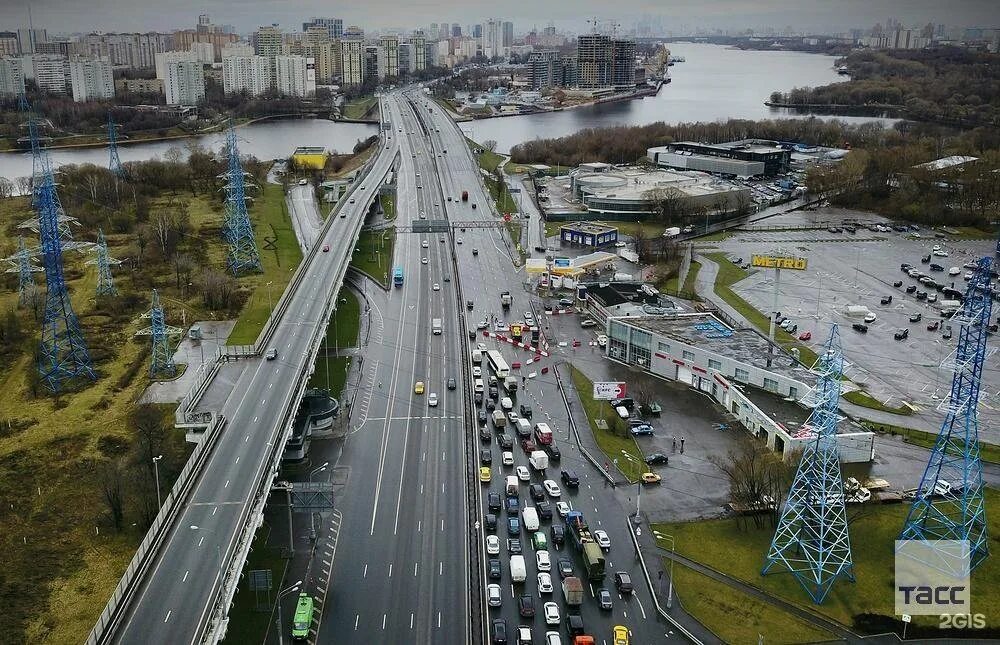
(530, 517)
(518, 573)
(523, 427)
(512, 490)
(506, 403)
(477, 357)
(478, 385)
(622, 412)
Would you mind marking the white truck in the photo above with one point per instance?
(477, 357)
(672, 231)
(538, 460)
(857, 311)
(518, 572)
(499, 419)
(530, 517)
(436, 326)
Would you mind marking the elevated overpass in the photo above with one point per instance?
(181, 582)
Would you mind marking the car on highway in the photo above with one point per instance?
(623, 583)
(451, 383)
(860, 328)
(523, 473)
(602, 340)
(911, 289)
(621, 634)
(886, 300)
(558, 532)
(432, 399)
(563, 508)
(303, 182)
(604, 599)
(418, 387)
(507, 458)
(435, 287)
(901, 334)
(492, 545)
(326, 248)
(493, 596)
(475, 251)
(939, 253)
(490, 522)
(513, 546)
(504, 441)
(513, 526)
(494, 569)
(536, 492)
(552, 488)
(526, 606)
(482, 324)
(933, 326)
(539, 543)
(544, 582)
(602, 539)
(493, 502)
(485, 456)
(525, 410)
(477, 372)
(458, 240)
(588, 323)
(481, 415)
(569, 478)
(485, 474)
(424, 244)
(423, 260)
(565, 302)
(552, 638)
(651, 478)
(271, 354)
(512, 505)
(498, 633)
(543, 561)
(551, 612)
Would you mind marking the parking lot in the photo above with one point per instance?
(861, 269)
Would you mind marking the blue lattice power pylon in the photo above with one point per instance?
(243, 256)
(811, 541)
(161, 363)
(22, 263)
(103, 260)
(63, 355)
(114, 163)
(949, 502)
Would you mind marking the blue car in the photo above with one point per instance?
(643, 429)
(513, 526)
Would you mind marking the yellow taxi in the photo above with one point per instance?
(418, 388)
(650, 478)
(621, 635)
(485, 474)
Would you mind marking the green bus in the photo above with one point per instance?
(303, 617)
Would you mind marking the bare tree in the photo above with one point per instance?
(147, 422)
(113, 491)
(217, 288)
(756, 475)
(490, 145)
(7, 188)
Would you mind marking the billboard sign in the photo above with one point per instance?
(608, 390)
(562, 263)
(778, 262)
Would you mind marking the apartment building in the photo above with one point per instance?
(352, 61)
(388, 56)
(11, 76)
(185, 83)
(162, 59)
(91, 79)
(246, 73)
(295, 75)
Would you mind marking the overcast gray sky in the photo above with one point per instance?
(245, 15)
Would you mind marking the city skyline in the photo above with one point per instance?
(65, 16)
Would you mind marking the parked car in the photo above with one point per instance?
(933, 326)
(860, 327)
(911, 289)
(656, 458)
(806, 335)
(897, 283)
(901, 334)
(886, 300)
(915, 317)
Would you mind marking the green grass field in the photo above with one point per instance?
(247, 623)
(729, 274)
(866, 400)
(670, 284)
(388, 206)
(279, 259)
(611, 444)
(488, 160)
(358, 108)
(724, 546)
(373, 254)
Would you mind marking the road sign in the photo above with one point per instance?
(778, 262)
(560, 262)
(607, 390)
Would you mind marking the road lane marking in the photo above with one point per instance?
(356, 617)
(255, 419)
(227, 484)
(214, 511)
(184, 579)
(411, 620)
(414, 568)
(383, 622)
(390, 569)
(201, 540)
(246, 438)
(167, 617)
(440, 568)
(364, 574)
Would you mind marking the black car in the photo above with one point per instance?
(565, 568)
(491, 522)
(574, 625)
(512, 504)
(494, 569)
(540, 249)
(499, 631)
(505, 441)
(484, 434)
(897, 283)
(493, 502)
(656, 458)
(525, 411)
(921, 295)
(915, 317)
(485, 456)
(513, 526)
(451, 383)
(469, 305)
(902, 334)
(514, 546)
(926, 259)
(478, 398)
(570, 478)
(936, 267)
(537, 492)
(494, 393)
(911, 289)
(544, 511)
(526, 606)
(860, 327)
(554, 453)
(625, 402)
(623, 582)
(905, 266)
(558, 532)
(604, 599)
(491, 405)
(886, 300)
(481, 416)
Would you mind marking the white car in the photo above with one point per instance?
(954, 271)
(551, 612)
(423, 260)
(493, 596)
(936, 247)
(968, 276)
(459, 240)
(544, 582)
(507, 458)
(477, 372)
(603, 541)
(512, 417)
(436, 287)
(602, 340)
(563, 509)
(543, 561)
(870, 318)
(506, 403)
(492, 545)
(940, 254)
(522, 473)
(303, 182)
(482, 325)
(620, 245)
(423, 244)
(552, 488)
(553, 638)
(432, 399)
(481, 347)
(588, 323)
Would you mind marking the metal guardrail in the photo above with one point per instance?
(144, 555)
(163, 523)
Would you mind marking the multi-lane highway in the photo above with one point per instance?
(175, 603)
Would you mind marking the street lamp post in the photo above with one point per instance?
(282, 594)
(270, 303)
(638, 498)
(156, 471)
(312, 514)
(670, 587)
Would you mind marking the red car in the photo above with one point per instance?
(326, 247)
(806, 335)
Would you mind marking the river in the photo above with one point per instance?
(714, 83)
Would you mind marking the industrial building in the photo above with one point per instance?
(628, 193)
(310, 157)
(745, 158)
(588, 234)
(736, 367)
